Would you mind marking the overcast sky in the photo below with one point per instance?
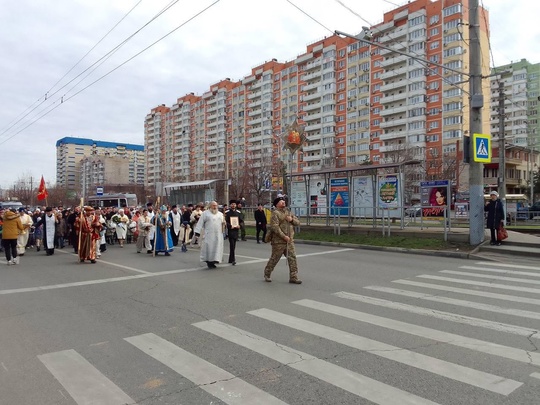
(41, 40)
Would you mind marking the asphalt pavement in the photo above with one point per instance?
(366, 326)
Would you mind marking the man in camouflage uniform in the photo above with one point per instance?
(282, 225)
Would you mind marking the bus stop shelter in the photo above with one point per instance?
(326, 175)
(191, 192)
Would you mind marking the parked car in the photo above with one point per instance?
(529, 212)
(414, 211)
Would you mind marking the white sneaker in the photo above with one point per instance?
(16, 260)
(9, 262)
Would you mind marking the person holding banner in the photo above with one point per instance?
(88, 231)
(163, 242)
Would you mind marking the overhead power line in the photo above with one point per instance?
(92, 68)
(46, 95)
(61, 100)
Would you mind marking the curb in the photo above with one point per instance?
(440, 253)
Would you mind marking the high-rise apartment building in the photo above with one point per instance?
(518, 84)
(82, 163)
(402, 93)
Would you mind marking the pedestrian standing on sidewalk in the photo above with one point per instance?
(11, 228)
(495, 216)
(282, 225)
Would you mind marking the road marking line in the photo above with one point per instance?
(491, 277)
(467, 375)
(484, 294)
(111, 264)
(82, 380)
(214, 380)
(143, 275)
(481, 283)
(347, 380)
(428, 333)
(513, 266)
(446, 316)
(521, 273)
(535, 375)
(461, 303)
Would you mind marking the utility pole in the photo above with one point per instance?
(476, 189)
(502, 149)
(226, 170)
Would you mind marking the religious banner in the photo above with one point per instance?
(294, 137)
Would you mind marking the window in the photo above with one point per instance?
(452, 92)
(452, 24)
(417, 34)
(458, 50)
(434, 19)
(455, 9)
(434, 31)
(417, 47)
(452, 120)
(451, 38)
(417, 20)
(456, 133)
(434, 45)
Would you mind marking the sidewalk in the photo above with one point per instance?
(518, 244)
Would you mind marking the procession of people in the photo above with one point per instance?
(89, 230)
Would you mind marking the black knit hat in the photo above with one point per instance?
(278, 200)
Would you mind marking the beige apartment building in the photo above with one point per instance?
(82, 164)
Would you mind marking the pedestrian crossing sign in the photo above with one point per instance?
(482, 148)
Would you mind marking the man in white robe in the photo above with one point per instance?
(22, 239)
(213, 224)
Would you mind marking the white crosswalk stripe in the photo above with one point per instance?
(458, 318)
(355, 383)
(87, 385)
(82, 380)
(456, 302)
(214, 380)
(433, 334)
(467, 375)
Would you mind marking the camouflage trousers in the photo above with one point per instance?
(278, 250)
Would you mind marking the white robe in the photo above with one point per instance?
(121, 227)
(50, 227)
(210, 226)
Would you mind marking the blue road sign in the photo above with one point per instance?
(482, 148)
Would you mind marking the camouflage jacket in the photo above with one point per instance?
(280, 228)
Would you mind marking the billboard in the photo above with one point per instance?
(362, 196)
(434, 196)
(339, 196)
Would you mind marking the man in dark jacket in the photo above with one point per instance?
(495, 216)
(260, 222)
(234, 222)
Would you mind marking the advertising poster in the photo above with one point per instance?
(317, 197)
(362, 197)
(298, 198)
(339, 196)
(434, 196)
(388, 194)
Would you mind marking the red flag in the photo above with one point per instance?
(42, 192)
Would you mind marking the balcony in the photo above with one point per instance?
(313, 96)
(393, 135)
(395, 97)
(311, 76)
(311, 107)
(395, 85)
(312, 117)
(313, 127)
(393, 60)
(394, 123)
(395, 73)
(312, 86)
(254, 95)
(389, 111)
(399, 46)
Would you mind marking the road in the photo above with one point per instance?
(365, 327)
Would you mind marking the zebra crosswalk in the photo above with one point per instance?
(498, 367)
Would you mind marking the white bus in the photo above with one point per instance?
(113, 200)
